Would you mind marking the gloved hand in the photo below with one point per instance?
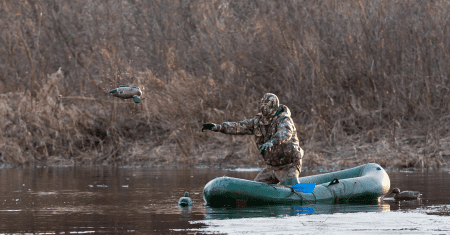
(208, 126)
(266, 146)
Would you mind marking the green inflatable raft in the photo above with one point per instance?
(362, 184)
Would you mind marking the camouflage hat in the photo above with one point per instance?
(269, 104)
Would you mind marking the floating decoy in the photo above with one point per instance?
(185, 201)
(406, 195)
(127, 92)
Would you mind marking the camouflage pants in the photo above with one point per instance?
(278, 174)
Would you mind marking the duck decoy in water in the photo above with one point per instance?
(185, 201)
(406, 195)
(127, 92)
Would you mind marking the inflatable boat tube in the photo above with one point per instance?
(359, 184)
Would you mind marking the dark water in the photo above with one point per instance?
(144, 200)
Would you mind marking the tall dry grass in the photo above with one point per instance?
(365, 80)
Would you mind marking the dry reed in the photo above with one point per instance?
(365, 80)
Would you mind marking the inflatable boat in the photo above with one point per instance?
(362, 184)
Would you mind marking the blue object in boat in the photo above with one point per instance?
(303, 210)
(304, 187)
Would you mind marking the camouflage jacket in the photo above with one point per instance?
(281, 131)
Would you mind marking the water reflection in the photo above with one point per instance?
(398, 205)
(80, 199)
(386, 207)
(292, 210)
(115, 200)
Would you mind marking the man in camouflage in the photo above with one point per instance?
(276, 138)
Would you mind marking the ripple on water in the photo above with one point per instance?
(37, 199)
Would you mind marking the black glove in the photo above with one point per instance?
(208, 126)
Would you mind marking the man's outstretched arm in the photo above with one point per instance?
(244, 127)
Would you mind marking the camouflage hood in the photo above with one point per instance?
(283, 111)
(268, 107)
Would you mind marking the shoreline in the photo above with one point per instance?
(246, 168)
(230, 151)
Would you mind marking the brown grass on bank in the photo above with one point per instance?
(365, 80)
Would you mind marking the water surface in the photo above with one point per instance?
(107, 199)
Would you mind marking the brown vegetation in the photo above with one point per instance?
(365, 80)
